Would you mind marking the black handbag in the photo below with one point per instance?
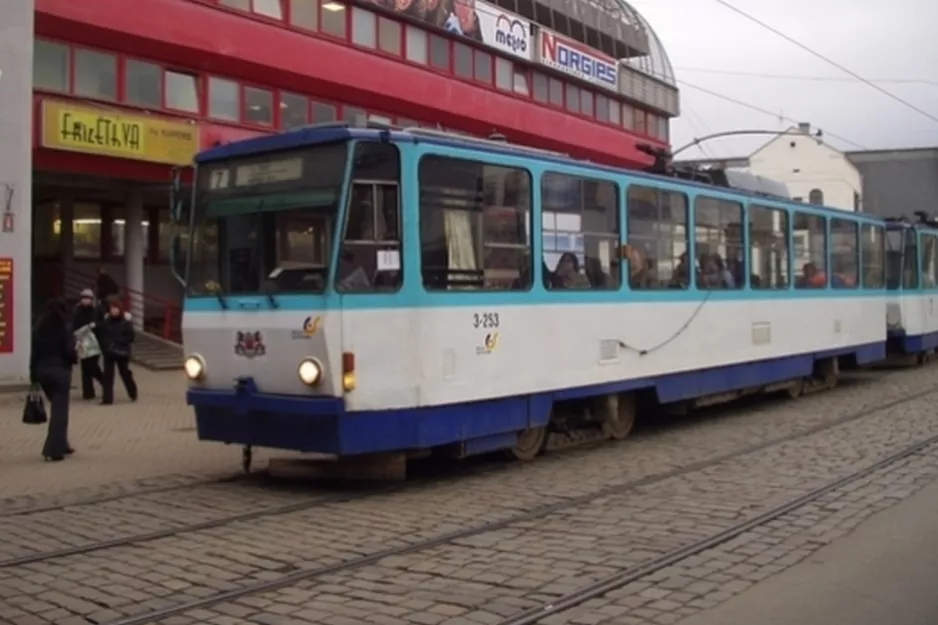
(34, 412)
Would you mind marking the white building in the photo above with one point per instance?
(814, 171)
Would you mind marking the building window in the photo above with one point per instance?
(304, 14)
(258, 106)
(86, 230)
(638, 121)
(143, 84)
(181, 92)
(573, 98)
(50, 66)
(389, 36)
(439, 53)
(333, 19)
(580, 232)
(856, 201)
(556, 92)
(482, 66)
(223, 99)
(718, 225)
(352, 114)
(816, 196)
(118, 234)
(416, 45)
(326, 113)
(657, 237)
(586, 102)
(462, 60)
(269, 8)
(475, 225)
(95, 75)
(164, 234)
(540, 89)
(521, 81)
(628, 116)
(663, 128)
(47, 230)
(241, 5)
(651, 125)
(364, 28)
(294, 111)
(504, 70)
(614, 113)
(602, 108)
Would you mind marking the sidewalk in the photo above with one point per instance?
(882, 574)
(151, 440)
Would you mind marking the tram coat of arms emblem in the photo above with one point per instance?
(249, 344)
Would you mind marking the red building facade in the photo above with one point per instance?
(125, 91)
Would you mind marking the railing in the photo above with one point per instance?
(156, 315)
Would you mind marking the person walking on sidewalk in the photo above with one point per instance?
(87, 320)
(117, 337)
(50, 366)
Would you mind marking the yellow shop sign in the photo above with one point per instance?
(93, 131)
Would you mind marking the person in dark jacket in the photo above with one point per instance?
(89, 316)
(117, 337)
(106, 286)
(50, 366)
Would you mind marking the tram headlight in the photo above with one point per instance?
(194, 367)
(309, 371)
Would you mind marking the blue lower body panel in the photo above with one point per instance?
(248, 417)
(902, 343)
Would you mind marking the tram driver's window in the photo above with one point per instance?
(370, 259)
(475, 225)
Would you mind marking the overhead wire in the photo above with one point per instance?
(827, 60)
(841, 79)
(766, 111)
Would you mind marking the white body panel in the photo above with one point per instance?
(422, 357)
(916, 313)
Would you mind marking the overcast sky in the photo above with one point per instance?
(895, 40)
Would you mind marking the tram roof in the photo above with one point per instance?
(321, 134)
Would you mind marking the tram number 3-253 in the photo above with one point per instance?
(485, 320)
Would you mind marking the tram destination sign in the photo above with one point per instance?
(6, 305)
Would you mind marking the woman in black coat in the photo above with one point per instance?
(50, 366)
(117, 335)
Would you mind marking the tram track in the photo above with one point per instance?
(614, 582)
(312, 573)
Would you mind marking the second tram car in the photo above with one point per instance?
(912, 283)
(356, 291)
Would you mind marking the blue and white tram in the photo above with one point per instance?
(356, 291)
(912, 283)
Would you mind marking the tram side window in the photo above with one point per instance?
(873, 249)
(475, 225)
(657, 239)
(370, 258)
(929, 249)
(910, 260)
(580, 232)
(809, 238)
(718, 236)
(845, 258)
(768, 248)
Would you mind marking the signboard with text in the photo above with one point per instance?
(6, 305)
(105, 133)
(577, 60)
(473, 19)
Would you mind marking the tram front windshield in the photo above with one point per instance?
(265, 224)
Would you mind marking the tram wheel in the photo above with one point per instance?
(796, 389)
(620, 418)
(530, 443)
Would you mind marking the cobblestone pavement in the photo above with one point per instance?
(490, 575)
(122, 449)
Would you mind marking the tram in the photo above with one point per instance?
(362, 291)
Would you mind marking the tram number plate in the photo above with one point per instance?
(485, 320)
